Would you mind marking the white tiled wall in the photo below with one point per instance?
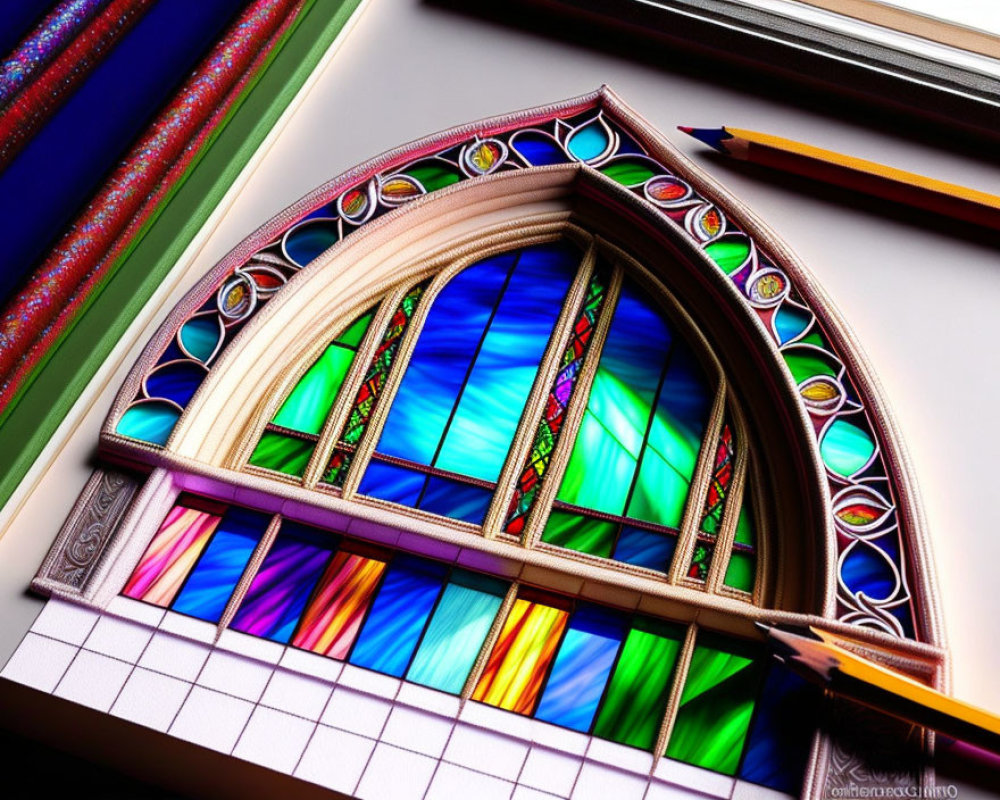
(329, 723)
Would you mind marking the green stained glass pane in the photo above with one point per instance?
(660, 492)
(805, 364)
(815, 338)
(282, 453)
(305, 409)
(576, 532)
(715, 709)
(600, 469)
(628, 172)
(632, 710)
(744, 525)
(846, 448)
(434, 176)
(353, 335)
(741, 571)
(729, 254)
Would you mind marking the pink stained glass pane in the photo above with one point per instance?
(171, 555)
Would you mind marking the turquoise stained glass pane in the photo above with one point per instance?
(640, 436)
(595, 444)
(846, 448)
(673, 443)
(619, 407)
(456, 633)
(149, 422)
(201, 335)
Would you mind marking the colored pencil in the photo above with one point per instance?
(869, 177)
(814, 654)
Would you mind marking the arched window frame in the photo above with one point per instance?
(449, 265)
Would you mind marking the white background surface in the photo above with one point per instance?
(924, 302)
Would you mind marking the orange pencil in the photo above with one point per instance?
(869, 177)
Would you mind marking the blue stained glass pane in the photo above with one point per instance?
(581, 669)
(398, 615)
(865, 569)
(782, 732)
(392, 483)
(437, 369)
(454, 638)
(538, 149)
(486, 418)
(177, 382)
(456, 500)
(645, 548)
(220, 567)
(310, 239)
(282, 585)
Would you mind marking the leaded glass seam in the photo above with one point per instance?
(491, 639)
(700, 481)
(676, 691)
(278, 397)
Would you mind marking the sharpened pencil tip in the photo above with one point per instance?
(713, 137)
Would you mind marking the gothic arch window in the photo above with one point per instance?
(531, 414)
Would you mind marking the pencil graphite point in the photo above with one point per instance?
(713, 137)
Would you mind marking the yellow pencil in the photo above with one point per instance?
(817, 657)
(869, 177)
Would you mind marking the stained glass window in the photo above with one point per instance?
(626, 484)
(543, 340)
(454, 416)
(290, 438)
(578, 665)
(196, 558)
(716, 706)
(742, 568)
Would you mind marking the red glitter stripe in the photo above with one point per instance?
(41, 99)
(44, 310)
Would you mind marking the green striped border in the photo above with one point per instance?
(61, 378)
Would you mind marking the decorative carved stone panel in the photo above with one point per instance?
(86, 533)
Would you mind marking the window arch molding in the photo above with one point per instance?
(903, 560)
(224, 417)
